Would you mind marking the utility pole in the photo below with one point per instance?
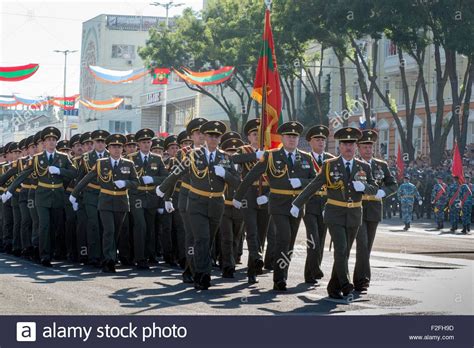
(65, 52)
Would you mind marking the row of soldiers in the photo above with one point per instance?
(104, 199)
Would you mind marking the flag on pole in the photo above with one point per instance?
(160, 76)
(266, 89)
(456, 168)
(400, 163)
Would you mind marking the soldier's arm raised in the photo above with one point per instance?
(313, 187)
(242, 157)
(19, 179)
(84, 181)
(69, 171)
(252, 176)
(10, 172)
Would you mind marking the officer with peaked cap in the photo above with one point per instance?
(115, 176)
(347, 179)
(288, 170)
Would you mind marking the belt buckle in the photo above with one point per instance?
(350, 203)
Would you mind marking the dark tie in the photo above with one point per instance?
(320, 161)
(211, 158)
(100, 155)
(145, 161)
(115, 164)
(50, 159)
(348, 170)
(290, 159)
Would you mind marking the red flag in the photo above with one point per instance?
(267, 80)
(400, 163)
(160, 76)
(456, 168)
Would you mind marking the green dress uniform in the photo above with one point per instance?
(2, 190)
(144, 201)
(372, 214)
(89, 199)
(205, 198)
(49, 194)
(7, 210)
(343, 210)
(282, 168)
(113, 202)
(256, 217)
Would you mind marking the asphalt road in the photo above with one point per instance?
(421, 271)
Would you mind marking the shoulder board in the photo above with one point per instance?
(304, 152)
(331, 159)
(62, 153)
(380, 161)
(125, 160)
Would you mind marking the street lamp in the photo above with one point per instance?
(167, 6)
(65, 52)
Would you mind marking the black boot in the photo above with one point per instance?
(407, 226)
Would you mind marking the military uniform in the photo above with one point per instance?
(346, 182)
(372, 213)
(89, 199)
(144, 202)
(256, 217)
(205, 197)
(466, 204)
(407, 194)
(51, 169)
(114, 177)
(454, 204)
(288, 173)
(316, 229)
(439, 199)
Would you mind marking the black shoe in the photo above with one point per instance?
(16, 252)
(279, 286)
(206, 280)
(259, 266)
(202, 281)
(124, 261)
(108, 267)
(406, 227)
(361, 287)
(347, 289)
(188, 278)
(454, 228)
(228, 272)
(182, 263)
(8, 248)
(252, 279)
(142, 264)
(83, 260)
(336, 295)
(152, 260)
(46, 263)
(36, 255)
(313, 281)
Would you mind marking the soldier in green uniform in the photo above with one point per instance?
(346, 179)
(2, 190)
(52, 168)
(193, 131)
(316, 230)
(371, 208)
(255, 206)
(143, 200)
(288, 170)
(232, 222)
(115, 176)
(91, 194)
(210, 170)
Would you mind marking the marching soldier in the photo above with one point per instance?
(115, 176)
(255, 206)
(2, 190)
(131, 146)
(52, 168)
(288, 170)
(347, 179)
(313, 218)
(439, 199)
(143, 200)
(90, 196)
(210, 170)
(232, 223)
(371, 208)
(407, 193)
(466, 204)
(454, 203)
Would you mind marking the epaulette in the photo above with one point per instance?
(331, 159)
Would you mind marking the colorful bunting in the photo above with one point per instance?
(65, 103)
(160, 76)
(27, 100)
(102, 105)
(8, 102)
(17, 73)
(207, 78)
(116, 76)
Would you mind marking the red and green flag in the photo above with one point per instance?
(17, 73)
(267, 91)
(160, 76)
(206, 78)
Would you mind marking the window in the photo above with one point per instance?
(120, 126)
(127, 102)
(390, 48)
(123, 51)
(387, 88)
(355, 92)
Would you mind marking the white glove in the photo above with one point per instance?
(6, 196)
(295, 182)
(53, 170)
(380, 194)
(220, 171)
(161, 211)
(147, 179)
(261, 200)
(259, 154)
(236, 204)
(294, 211)
(159, 193)
(358, 186)
(72, 199)
(420, 202)
(75, 206)
(119, 183)
(169, 206)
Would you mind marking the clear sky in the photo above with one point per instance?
(31, 30)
